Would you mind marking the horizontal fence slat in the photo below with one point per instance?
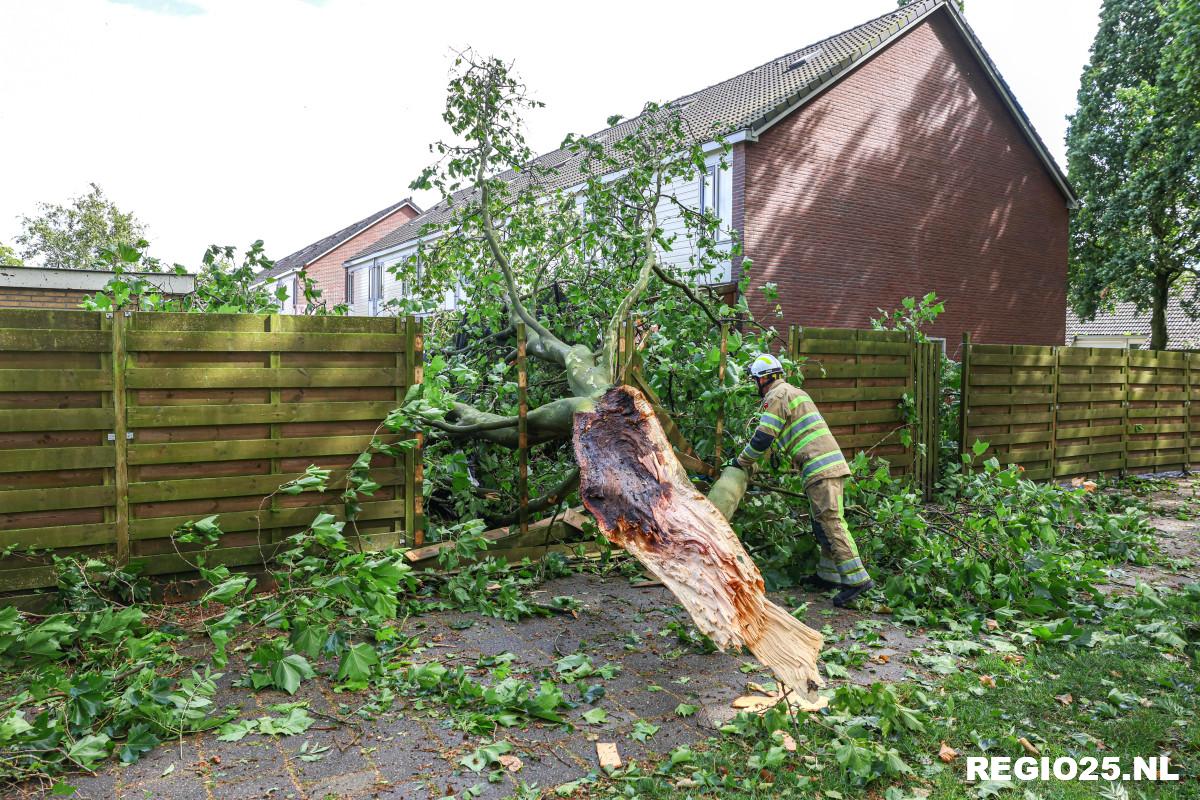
(55, 419)
(56, 458)
(168, 563)
(1012, 379)
(17, 500)
(243, 449)
(237, 486)
(1012, 360)
(839, 395)
(58, 536)
(245, 341)
(257, 413)
(852, 347)
(1084, 431)
(863, 417)
(817, 369)
(260, 377)
(67, 341)
(55, 380)
(238, 521)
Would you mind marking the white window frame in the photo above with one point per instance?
(711, 200)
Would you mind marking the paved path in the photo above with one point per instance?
(409, 754)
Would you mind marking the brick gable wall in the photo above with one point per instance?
(908, 176)
(329, 271)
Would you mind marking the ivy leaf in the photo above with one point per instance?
(288, 672)
(357, 663)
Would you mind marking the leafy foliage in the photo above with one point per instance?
(1131, 150)
(65, 236)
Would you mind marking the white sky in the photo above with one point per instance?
(223, 121)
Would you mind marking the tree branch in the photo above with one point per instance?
(687, 290)
(555, 496)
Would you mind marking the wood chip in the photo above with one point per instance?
(1065, 699)
(1029, 747)
(988, 681)
(510, 762)
(608, 755)
(947, 753)
(786, 740)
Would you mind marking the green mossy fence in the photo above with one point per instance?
(1061, 412)
(117, 428)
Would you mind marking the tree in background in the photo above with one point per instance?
(67, 236)
(1132, 155)
(8, 256)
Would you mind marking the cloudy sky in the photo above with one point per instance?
(224, 121)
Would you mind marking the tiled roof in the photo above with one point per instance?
(1183, 333)
(752, 101)
(310, 253)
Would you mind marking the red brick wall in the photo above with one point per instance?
(906, 177)
(329, 272)
(17, 297)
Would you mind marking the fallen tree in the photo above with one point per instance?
(569, 246)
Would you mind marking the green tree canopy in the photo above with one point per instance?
(1132, 154)
(68, 235)
(8, 256)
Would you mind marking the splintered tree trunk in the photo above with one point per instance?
(643, 501)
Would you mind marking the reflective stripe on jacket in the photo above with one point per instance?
(790, 420)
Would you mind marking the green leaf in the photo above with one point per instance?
(643, 730)
(686, 710)
(485, 756)
(595, 716)
(236, 730)
(288, 672)
(89, 749)
(357, 663)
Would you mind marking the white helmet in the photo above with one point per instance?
(765, 364)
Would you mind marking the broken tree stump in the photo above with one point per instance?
(642, 500)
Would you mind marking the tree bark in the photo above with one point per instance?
(1158, 312)
(643, 501)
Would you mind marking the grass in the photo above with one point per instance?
(1125, 699)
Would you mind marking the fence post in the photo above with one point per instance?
(1054, 411)
(1124, 468)
(120, 435)
(964, 383)
(720, 427)
(1187, 412)
(414, 524)
(522, 430)
(275, 430)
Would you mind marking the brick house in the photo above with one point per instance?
(40, 287)
(886, 161)
(323, 259)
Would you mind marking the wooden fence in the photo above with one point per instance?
(117, 428)
(861, 379)
(1060, 412)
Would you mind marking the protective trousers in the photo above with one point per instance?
(839, 562)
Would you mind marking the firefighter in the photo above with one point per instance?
(791, 422)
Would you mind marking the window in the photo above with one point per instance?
(350, 275)
(375, 289)
(715, 186)
(296, 294)
(708, 192)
